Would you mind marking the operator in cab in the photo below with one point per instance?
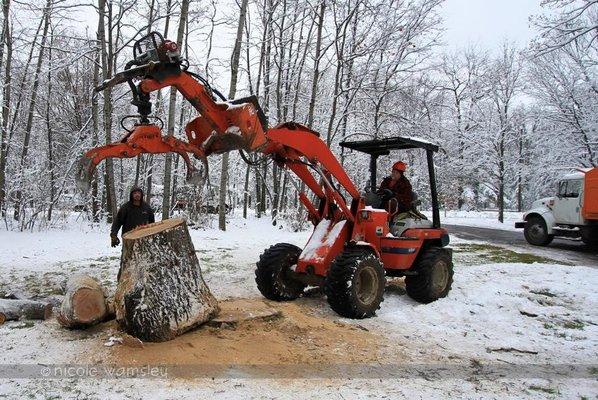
(400, 186)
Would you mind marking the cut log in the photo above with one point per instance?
(13, 310)
(161, 292)
(84, 303)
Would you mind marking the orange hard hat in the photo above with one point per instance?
(399, 166)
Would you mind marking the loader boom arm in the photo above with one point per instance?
(224, 126)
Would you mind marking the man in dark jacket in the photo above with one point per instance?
(132, 214)
(400, 186)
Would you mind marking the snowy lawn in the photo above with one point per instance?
(480, 219)
(508, 318)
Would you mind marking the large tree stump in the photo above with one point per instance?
(84, 303)
(161, 292)
(12, 310)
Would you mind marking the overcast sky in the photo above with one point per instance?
(486, 23)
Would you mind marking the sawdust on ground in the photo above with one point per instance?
(293, 336)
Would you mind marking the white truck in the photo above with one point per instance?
(572, 213)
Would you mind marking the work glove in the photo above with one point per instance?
(115, 241)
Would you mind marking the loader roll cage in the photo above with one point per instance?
(382, 147)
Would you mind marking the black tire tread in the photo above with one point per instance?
(272, 262)
(339, 294)
(589, 235)
(418, 286)
(530, 240)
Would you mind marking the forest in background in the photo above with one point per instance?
(509, 122)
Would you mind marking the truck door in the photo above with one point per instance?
(567, 204)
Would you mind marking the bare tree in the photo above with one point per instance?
(171, 117)
(574, 20)
(32, 104)
(231, 94)
(505, 78)
(107, 57)
(6, 99)
(464, 80)
(317, 58)
(570, 103)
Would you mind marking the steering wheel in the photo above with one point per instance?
(385, 194)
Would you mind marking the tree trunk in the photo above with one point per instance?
(234, 67)
(84, 303)
(95, 202)
(161, 292)
(50, 133)
(246, 191)
(275, 189)
(171, 116)
(13, 310)
(107, 58)
(521, 163)
(501, 179)
(258, 196)
(30, 111)
(6, 93)
(314, 83)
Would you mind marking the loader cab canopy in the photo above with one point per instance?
(382, 147)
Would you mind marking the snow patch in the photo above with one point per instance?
(321, 237)
(234, 130)
(112, 340)
(480, 219)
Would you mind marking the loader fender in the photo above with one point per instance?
(365, 246)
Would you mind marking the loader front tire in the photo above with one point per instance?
(355, 283)
(273, 273)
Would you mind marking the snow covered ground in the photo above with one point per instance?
(513, 326)
(481, 219)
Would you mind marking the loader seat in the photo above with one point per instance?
(410, 219)
(407, 220)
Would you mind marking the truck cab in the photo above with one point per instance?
(568, 201)
(571, 213)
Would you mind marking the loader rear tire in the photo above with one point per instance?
(434, 278)
(273, 273)
(355, 284)
(536, 232)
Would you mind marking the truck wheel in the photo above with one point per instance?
(434, 278)
(590, 236)
(355, 284)
(273, 273)
(536, 233)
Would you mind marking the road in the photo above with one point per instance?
(560, 249)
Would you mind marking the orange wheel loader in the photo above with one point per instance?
(352, 248)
